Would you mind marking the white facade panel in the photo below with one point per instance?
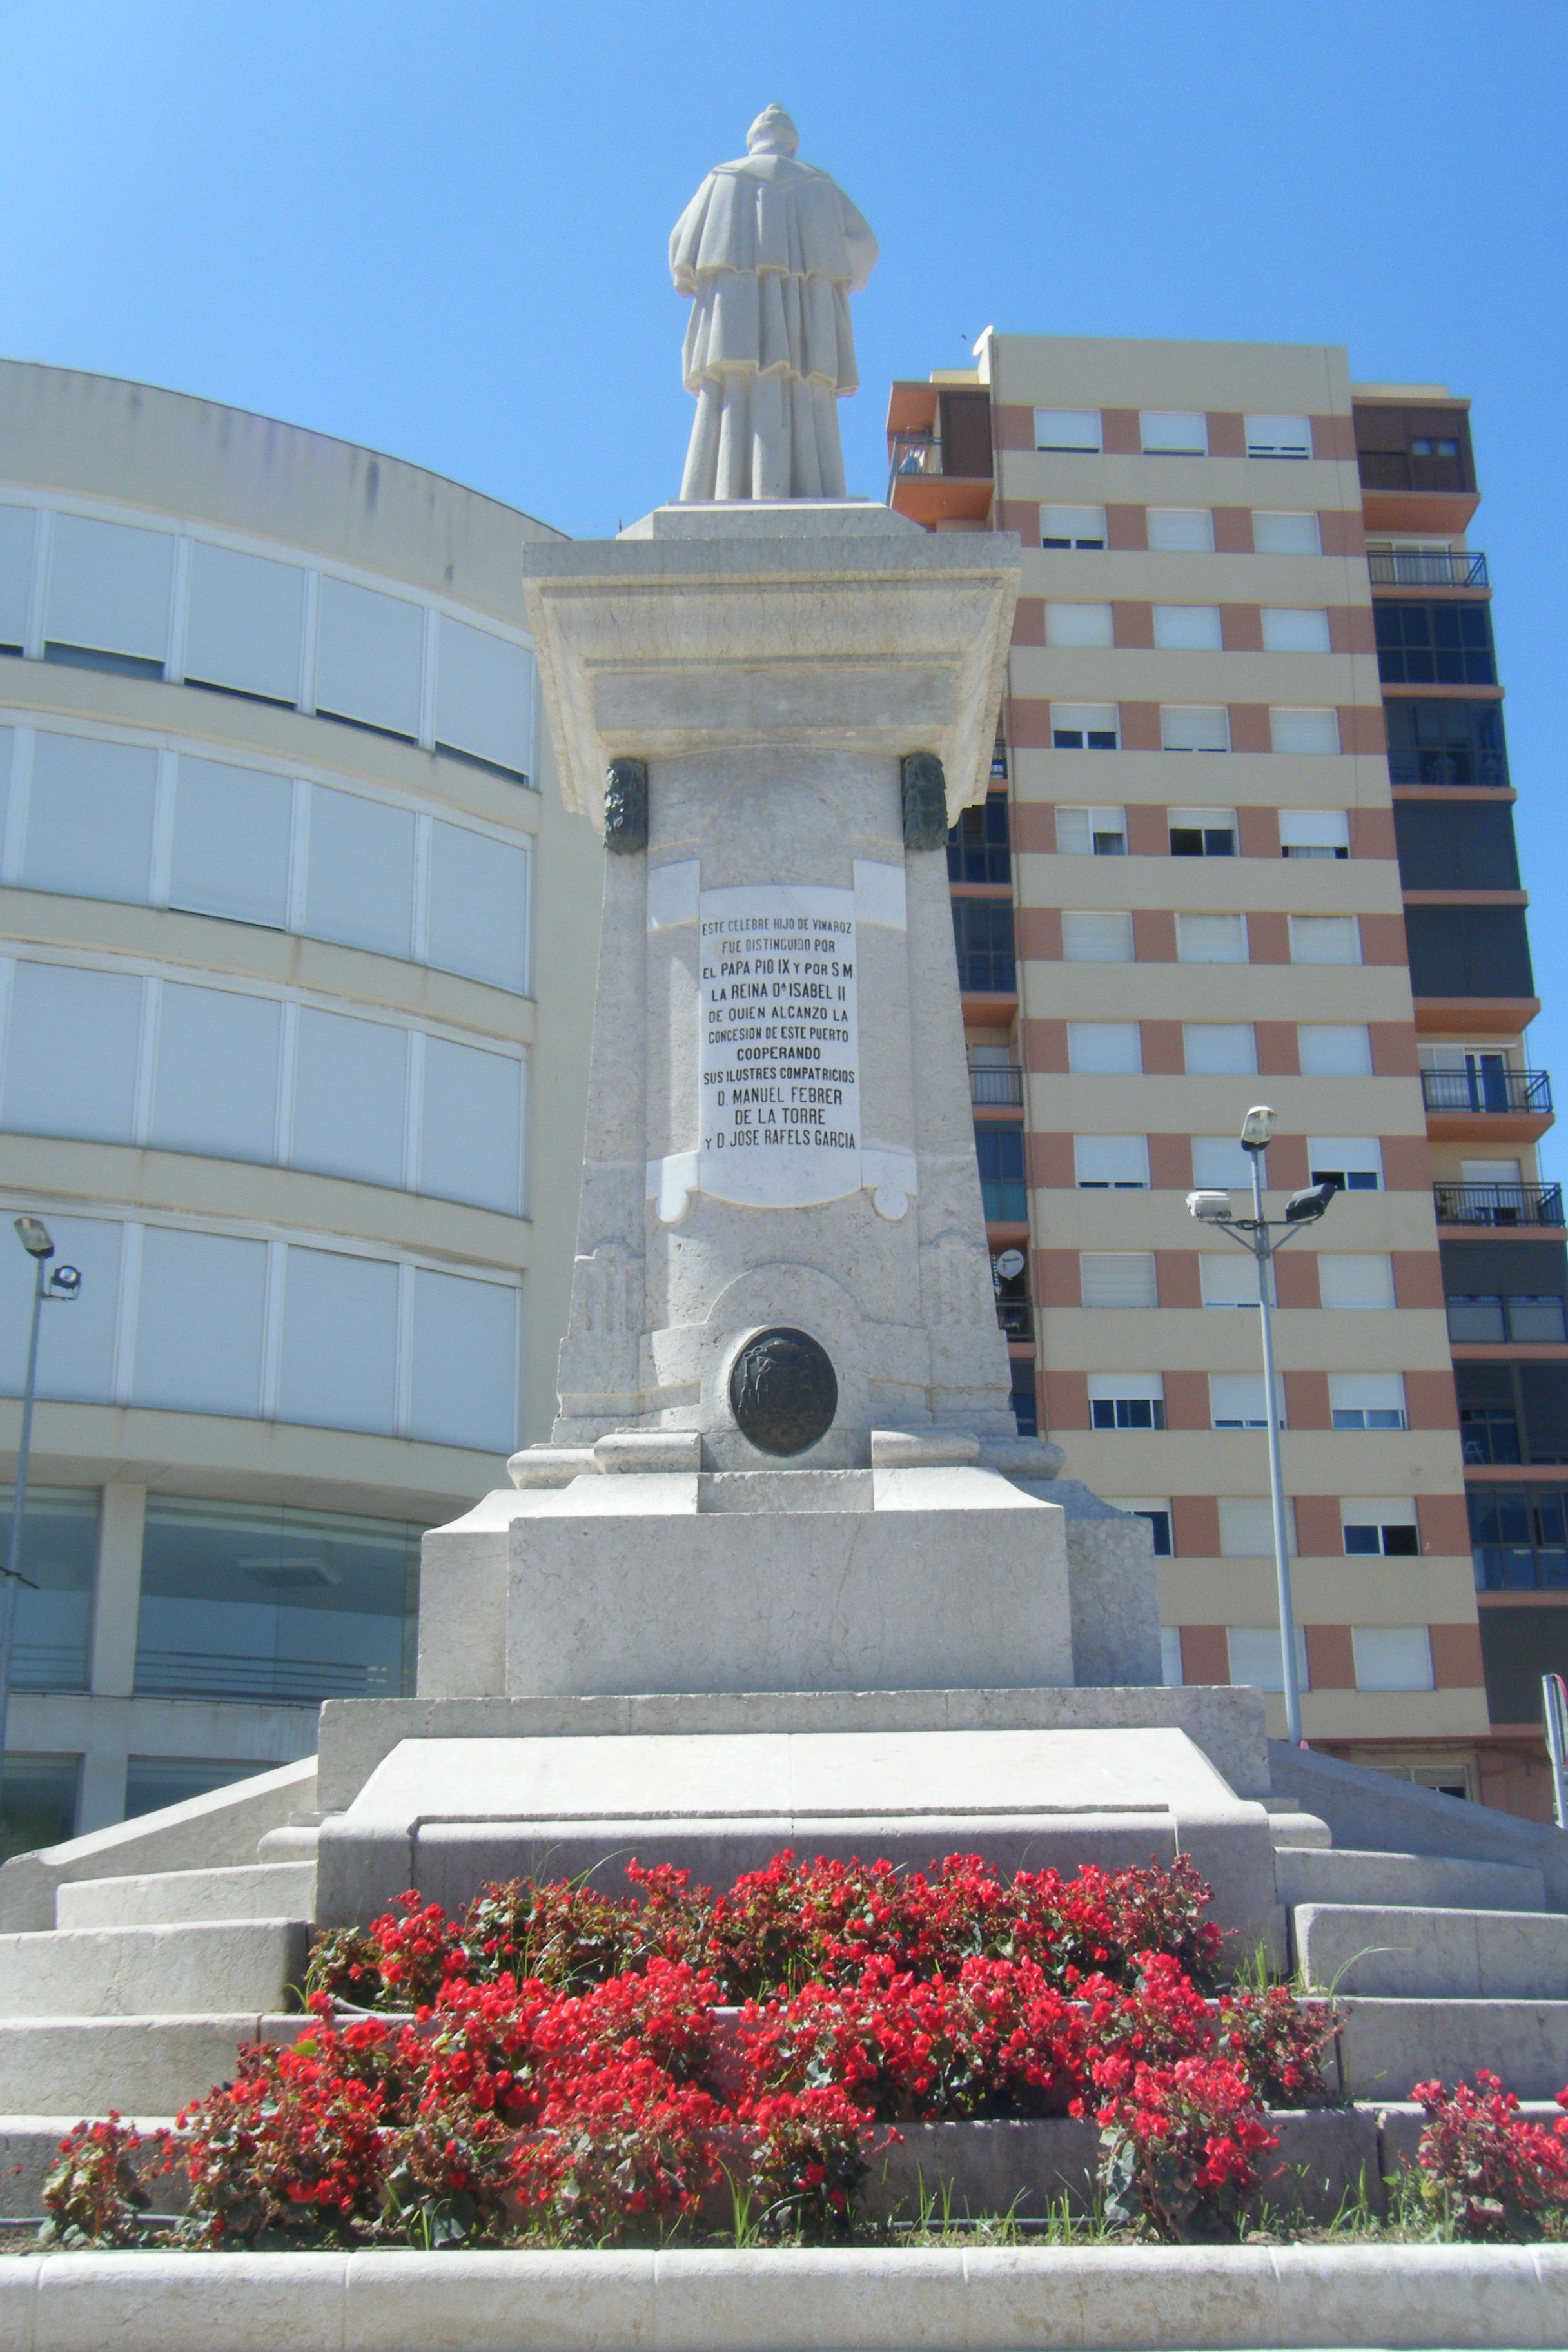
(339, 1367)
(19, 535)
(231, 841)
(247, 622)
(199, 1323)
(110, 586)
(90, 817)
(70, 1055)
(369, 656)
(216, 1089)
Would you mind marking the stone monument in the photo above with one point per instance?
(785, 1571)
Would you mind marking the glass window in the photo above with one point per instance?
(1445, 743)
(1286, 532)
(1434, 644)
(1334, 1050)
(1325, 939)
(1180, 531)
(1072, 526)
(1188, 628)
(1290, 629)
(154, 1781)
(37, 1801)
(1118, 1278)
(977, 849)
(1104, 1048)
(1362, 1279)
(1091, 832)
(1518, 1538)
(1278, 436)
(1255, 1656)
(1174, 433)
(267, 1603)
(54, 1608)
(982, 934)
(1079, 625)
(1096, 935)
(1004, 1188)
(1111, 1163)
(1214, 1049)
(1354, 1162)
(1314, 833)
(1392, 1657)
(1067, 428)
(1367, 1399)
(1239, 1400)
(1211, 938)
(1304, 731)
(1538, 1319)
(1203, 832)
(1194, 726)
(1085, 726)
(1025, 1413)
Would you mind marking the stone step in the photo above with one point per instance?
(257, 1890)
(1345, 1875)
(1431, 1955)
(1298, 1829)
(1389, 2046)
(295, 1841)
(161, 1972)
(139, 2066)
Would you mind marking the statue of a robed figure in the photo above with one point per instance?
(770, 251)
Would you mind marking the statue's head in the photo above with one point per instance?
(773, 133)
(625, 806)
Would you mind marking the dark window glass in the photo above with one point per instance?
(983, 932)
(1543, 1395)
(1474, 1319)
(1204, 841)
(1536, 1318)
(1518, 1538)
(977, 845)
(1445, 743)
(1488, 1412)
(999, 1148)
(1518, 1647)
(1024, 1407)
(154, 1781)
(1393, 1542)
(1456, 845)
(38, 1801)
(1468, 952)
(1127, 1413)
(251, 1601)
(1434, 644)
(54, 1608)
(1160, 1522)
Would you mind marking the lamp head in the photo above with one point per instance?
(35, 1236)
(1257, 1128)
(65, 1281)
(1305, 1208)
(1211, 1208)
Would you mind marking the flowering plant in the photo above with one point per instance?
(1486, 2169)
(1179, 2143)
(93, 2195)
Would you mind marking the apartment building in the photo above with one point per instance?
(295, 990)
(1249, 839)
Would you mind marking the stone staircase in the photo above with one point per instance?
(139, 1994)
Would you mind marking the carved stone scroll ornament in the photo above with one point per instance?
(925, 802)
(625, 806)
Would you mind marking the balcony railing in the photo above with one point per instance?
(1016, 1317)
(914, 453)
(1426, 567)
(1000, 1089)
(1486, 1089)
(1497, 1204)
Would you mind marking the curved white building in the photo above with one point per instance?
(294, 989)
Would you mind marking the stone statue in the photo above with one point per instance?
(771, 251)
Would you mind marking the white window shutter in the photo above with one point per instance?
(247, 621)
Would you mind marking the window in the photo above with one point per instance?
(1315, 731)
(1445, 743)
(1525, 1318)
(1256, 1658)
(1427, 444)
(1278, 436)
(1215, 1049)
(1158, 1515)
(1127, 1401)
(1004, 1188)
(54, 1608)
(977, 847)
(154, 1781)
(1334, 1050)
(1194, 726)
(260, 1601)
(1067, 428)
(37, 1801)
(1227, 1279)
(214, 1087)
(1203, 832)
(361, 883)
(1188, 628)
(1091, 831)
(1364, 1279)
(1171, 1656)
(1072, 526)
(1220, 1164)
(72, 1053)
(1247, 1526)
(1288, 629)
(1086, 726)
(1325, 939)
(1381, 1527)
(477, 919)
(1111, 1163)
(1211, 938)
(1354, 1162)
(110, 588)
(369, 659)
(1282, 532)
(1518, 1538)
(247, 624)
(982, 932)
(232, 830)
(1180, 531)
(1118, 1278)
(1238, 1400)
(1096, 935)
(350, 1094)
(90, 817)
(1174, 433)
(1010, 1283)
(1459, 950)
(1079, 625)
(1025, 1410)
(1433, 645)
(483, 697)
(1392, 1657)
(1104, 1048)
(1367, 1400)
(1314, 833)
(18, 531)
(1456, 845)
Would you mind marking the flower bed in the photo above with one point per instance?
(582, 2069)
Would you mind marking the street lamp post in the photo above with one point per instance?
(63, 1283)
(1264, 1239)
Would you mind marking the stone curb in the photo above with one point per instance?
(872, 2300)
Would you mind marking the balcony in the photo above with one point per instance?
(1488, 1089)
(1016, 1317)
(924, 485)
(1497, 1205)
(1426, 567)
(996, 1090)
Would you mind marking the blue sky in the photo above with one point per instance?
(440, 229)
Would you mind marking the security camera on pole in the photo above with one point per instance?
(1264, 1239)
(59, 1283)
